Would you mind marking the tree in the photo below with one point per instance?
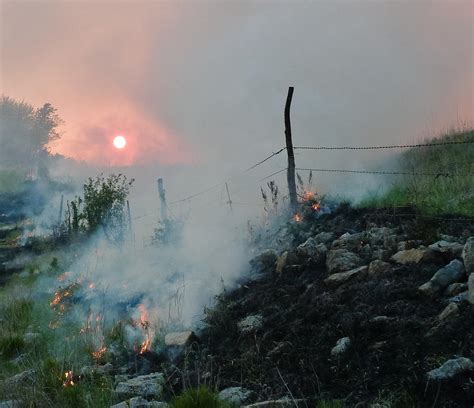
(101, 207)
(26, 132)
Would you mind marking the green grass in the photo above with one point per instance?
(200, 397)
(430, 194)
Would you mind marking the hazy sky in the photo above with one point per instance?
(205, 82)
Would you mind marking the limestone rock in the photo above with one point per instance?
(451, 368)
(452, 249)
(180, 339)
(235, 395)
(337, 279)
(312, 249)
(470, 293)
(324, 238)
(413, 256)
(251, 323)
(468, 255)
(341, 260)
(147, 386)
(350, 242)
(451, 273)
(27, 377)
(378, 268)
(10, 404)
(455, 288)
(449, 312)
(342, 346)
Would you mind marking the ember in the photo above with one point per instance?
(68, 379)
(298, 217)
(97, 355)
(316, 207)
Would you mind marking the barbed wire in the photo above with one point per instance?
(267, 158)
(396, 173)
(404, 146)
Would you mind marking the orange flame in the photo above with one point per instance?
(298, 217)
(68, 379)
(98, 354)
(316, 207)
(308, 196)
(145, 325)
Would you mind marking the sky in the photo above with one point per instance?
(201, 85)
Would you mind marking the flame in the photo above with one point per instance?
(298, 217)
(68, 379)
(149, 333)
(98, 354)
(308, 196)
(316, 207)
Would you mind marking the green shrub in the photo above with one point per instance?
(200, 397)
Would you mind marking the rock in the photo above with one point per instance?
(459, 298)
(324, 238)
(470, 293)
(450, 369)
(377, 235)
(341, 347)
(381, 254)
(410, 244)
(235, 395)
(337, 279)
(341, 260)
(414, 256)
(377, 268)
(251, 323)
(468, 255)
(265, 261)
(180, 339)
(451, 273)
(147, 386)
(122, 404)
(25, 378)
(449, 312)
(455, 289)
(281, 262)
(452, 249)
(350, 242)
(140, 402)
(381, 319)
(311, 249)
(31, 338)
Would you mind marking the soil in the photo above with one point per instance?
(303, 319)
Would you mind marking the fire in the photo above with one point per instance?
(58, 297)
(149, 333)
(316, 207)
(308, 196)
(68, 379)
(98, 354)
(298, 217)
(146, 344)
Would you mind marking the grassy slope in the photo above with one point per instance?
(434, 195)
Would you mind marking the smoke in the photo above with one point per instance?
(198, 89)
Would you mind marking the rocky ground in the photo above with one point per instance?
(362, 306)
(366, 307)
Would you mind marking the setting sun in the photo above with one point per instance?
(119, 142)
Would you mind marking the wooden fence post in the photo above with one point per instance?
(289, 149)
(163, 206)
(61, 210)
(228, 196)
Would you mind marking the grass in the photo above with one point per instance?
(200, 397)
(434, 195)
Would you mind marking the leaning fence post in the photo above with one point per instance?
(163, 206)
(289, 149)
(61, 210)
